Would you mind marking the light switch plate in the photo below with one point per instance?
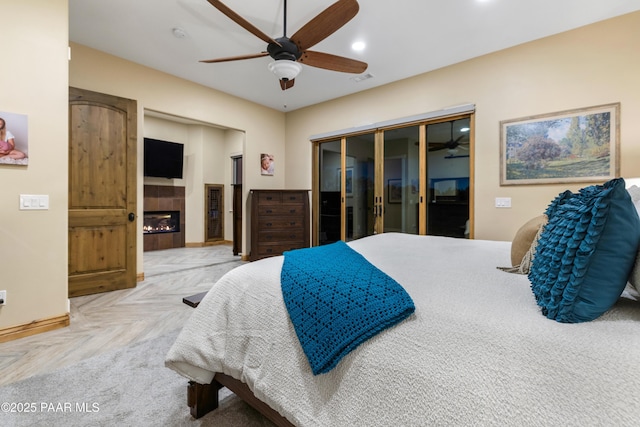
(29, 202)
(503, 202)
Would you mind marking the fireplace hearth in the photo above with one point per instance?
(155, 222)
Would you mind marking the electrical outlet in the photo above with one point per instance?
(3, 297)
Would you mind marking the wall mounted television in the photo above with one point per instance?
(163, 159)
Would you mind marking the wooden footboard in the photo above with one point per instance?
(203, 399)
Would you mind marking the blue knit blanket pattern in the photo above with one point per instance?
(337, 300)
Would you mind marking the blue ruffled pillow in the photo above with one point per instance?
(585, 252)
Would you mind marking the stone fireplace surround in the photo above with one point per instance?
(165, 198)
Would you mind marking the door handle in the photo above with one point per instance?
(132, 217)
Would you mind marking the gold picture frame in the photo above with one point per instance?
(581, 145)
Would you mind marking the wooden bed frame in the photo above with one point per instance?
(203, 399)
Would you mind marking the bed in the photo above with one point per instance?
(476, 351)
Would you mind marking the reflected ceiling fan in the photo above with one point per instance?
(451, 144)
(289, 52)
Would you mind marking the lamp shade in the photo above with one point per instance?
(285, 69)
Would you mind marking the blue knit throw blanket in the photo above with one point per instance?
(337, 300)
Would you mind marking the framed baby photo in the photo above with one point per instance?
(266, 164)
(14, 141)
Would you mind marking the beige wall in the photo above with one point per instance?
(33, 244)
(233, 146)
(593, 65)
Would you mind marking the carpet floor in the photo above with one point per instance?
(125, 387)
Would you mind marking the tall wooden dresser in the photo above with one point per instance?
(279, 222)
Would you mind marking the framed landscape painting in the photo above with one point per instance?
(568, 146)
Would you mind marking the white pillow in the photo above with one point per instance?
(634, 192)
(634, 277)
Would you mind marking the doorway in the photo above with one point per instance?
(237, 203)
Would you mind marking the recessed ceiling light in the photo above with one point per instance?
(179, 33)
(464, 129)
(358, 46)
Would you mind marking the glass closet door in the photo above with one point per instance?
(401, 184)
(414, 179)
(359, 184)
(329, 200)
(448, 173)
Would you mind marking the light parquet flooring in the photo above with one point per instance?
(111, 320)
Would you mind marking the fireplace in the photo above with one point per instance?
(164, 199)
(155, 222)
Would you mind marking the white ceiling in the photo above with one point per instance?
(403, 37)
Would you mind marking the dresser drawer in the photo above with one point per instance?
(294, 198)
(270, 223)
(280, 209)
(269, 198)
(266, 250)
(282, 235)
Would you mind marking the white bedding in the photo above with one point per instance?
(477, 351)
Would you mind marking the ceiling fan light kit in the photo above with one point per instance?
(288, 53)
(285, 69)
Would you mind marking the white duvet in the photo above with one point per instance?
(477, 351)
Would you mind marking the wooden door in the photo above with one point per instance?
(102, 192)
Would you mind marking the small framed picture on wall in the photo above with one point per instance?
(14, 146)
(266, 164)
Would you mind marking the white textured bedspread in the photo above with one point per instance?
(476, 351)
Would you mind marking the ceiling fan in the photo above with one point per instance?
(289, 52)
(451, 144)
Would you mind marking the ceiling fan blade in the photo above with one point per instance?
(241, 21)
(235, 58)
(332, 62)
(287, 84)
(437, 148)
(324, 24)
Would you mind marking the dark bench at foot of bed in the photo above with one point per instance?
(194, 300)
(203, 399)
